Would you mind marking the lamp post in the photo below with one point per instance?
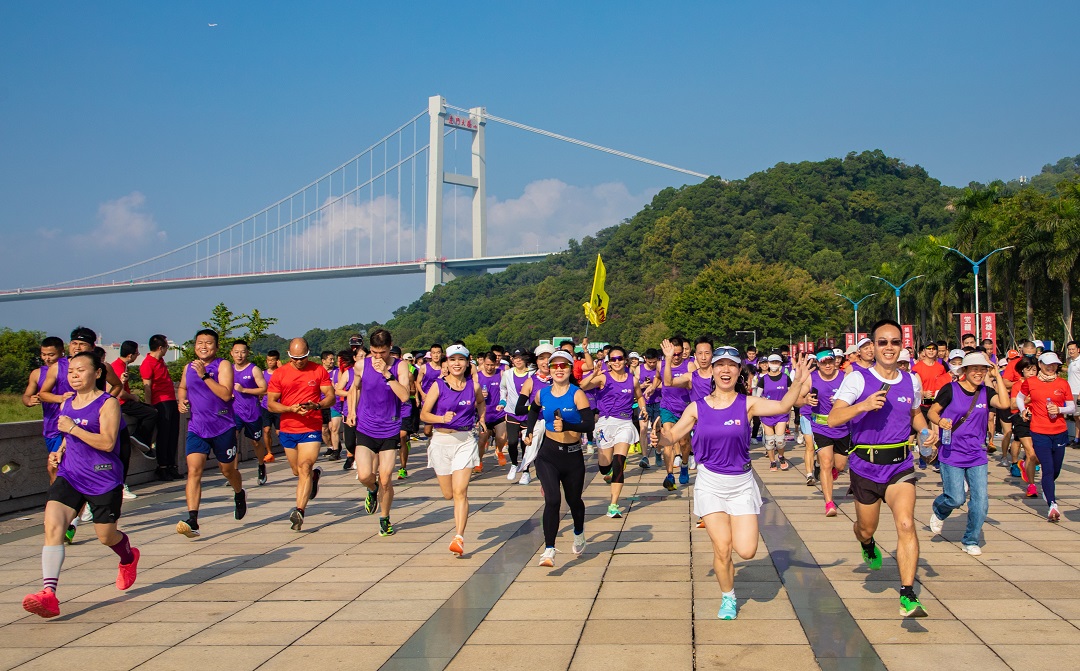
(754, 333)
(855, 304)
(897, 290)
(975, 271)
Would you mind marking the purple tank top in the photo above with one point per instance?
(62, 387)
(50, 412)
(616, 399)
(350, 378)
(819, 414)
(721, 438)
(378, 412)
(645, 378)
(539, 384)
(89, 471)
(700, 386)
(432, 372)
(461, 403)
(890, 425)
(675, 399)
(774, 390)
(967, 447)
(519, 382)
(210, 416)
(245, 406)
(266, 378)
(491, 383)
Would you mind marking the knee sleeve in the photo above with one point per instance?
(770, 442)
(604, 470)
(618, 463)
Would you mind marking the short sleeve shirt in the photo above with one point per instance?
(161, 385)
(299, 386)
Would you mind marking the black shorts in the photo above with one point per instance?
(411, 423)
(326, 415)
(269, 419)
(377, 445)
(1005, 416)
(868, 492)
(840, 446)
(104, 507)
(492, 425)
(1021, 429)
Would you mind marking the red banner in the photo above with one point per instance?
(849, 340)
(988, 322)
(801, 347)
(907, 333)
(967, 324)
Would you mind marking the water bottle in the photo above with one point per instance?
(1049, 402)
(924, 449)
(946, 436)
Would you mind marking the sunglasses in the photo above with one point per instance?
(297, 358)
(895, 342)
(615, 358)
(729, 351)
(558, 366)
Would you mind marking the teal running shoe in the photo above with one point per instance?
(614, 511)
(728, 608)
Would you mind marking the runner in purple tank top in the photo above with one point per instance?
(269, 420)
(89, 472)
(773, 383)
(206, 390)
(831, 444)
(490, 380)
(345, 381)
(672, 405)
(882, 406)
(52, 348)
(697, 379)
(726, 495)
(249, 388)
(427, 373)
(513, 381)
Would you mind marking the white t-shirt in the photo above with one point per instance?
(852, 387)
(1074, 376)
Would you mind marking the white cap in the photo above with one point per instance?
(957, 354)
(1049, 358)
(721, 356)
(561, 354)
(975, 359)
(851, 350)
(504, 362)
(862, 341)
(408, 356)
(775, 358)
(546, 348)
(635, 355)
(454, 350)
(838, 352)
(904, 356)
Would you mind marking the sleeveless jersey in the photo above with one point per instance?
(50, 412)
(245, 406)
(616, 399)
(721, 438)
(461, 403)
(378, 412)
(210, 416)
(91, 472)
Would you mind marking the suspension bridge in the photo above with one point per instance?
(382, 212)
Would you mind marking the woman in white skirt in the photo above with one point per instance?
(726, 495)
(452, 407)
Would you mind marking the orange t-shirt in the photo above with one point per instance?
(299, 386)
(1036, 392)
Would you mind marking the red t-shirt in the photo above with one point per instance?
(1035, 393)
(299, 386)
(119, 367)
(161, 385)
(938, 382)
(928, 372)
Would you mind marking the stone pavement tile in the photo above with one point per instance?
(547, 609)
(444, 561)
(504, 657)
(931, 656)
(310, 591)
(1056, 573)
(641, 609)
(1053, 546)
(139, 592)
(880, 609)
(776, 608)
(344, 575)
(343, 632)
(1052, 654)
(287, 611)
(551, 590)
(424, 573)
(1032, 559)
(565, 572)
(998, 589)
(234, 591)
(645, 590)
(389, 547)
(82, 611)
(363, 558)
(414, 590)
(281, 560)
(233, 658)
(13, 657)
(45, 634)
(354, 658)
(754, 657)
(206, 612)
(921, 631)
(121, 634)
(267, 574)
(774, 632)
(234, 632)
(657, 572)
(658, 632)
(849, 589)
(998, 632)
(551, 632)
(594, 656)
(998, 609)
(363, 610)
(709, 589)
(666, 561)
(1065, 608)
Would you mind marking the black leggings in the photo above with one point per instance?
(513, 439)
(348, 437)
(556, 466)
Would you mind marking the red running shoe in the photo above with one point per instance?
(1032, 492)
(457, 546)
(43, 603)
(125, 577)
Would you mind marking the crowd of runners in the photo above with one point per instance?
(876, 414)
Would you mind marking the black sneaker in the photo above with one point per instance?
(334, 455)
(297, 519)
(315, 473)
(262, 474)
(240, 505)
(347, 466)
(162, 473)
(371, 503)
(385, 528)
(174, 473)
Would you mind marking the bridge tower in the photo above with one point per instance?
(435, 272)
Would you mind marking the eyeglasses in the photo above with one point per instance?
(729, 351)
(895, 342)
(615, 358)
(302, 356)
(558, 366)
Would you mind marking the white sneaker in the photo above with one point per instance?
(678, 461)
(973, 550)
(936, 523)
(548, 558)
(692, 463)
(799, 440)
(129, 495)
(86, 515)
(579, 544)
(590, 448)
(525, 479)
(512, 474)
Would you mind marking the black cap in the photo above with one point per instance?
(929, 344)
(83, 334)
(356, 341)
(518, 352)
(395, 350)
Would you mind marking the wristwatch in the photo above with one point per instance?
(388, 378)
(206, 375)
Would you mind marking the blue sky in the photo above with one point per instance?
(131, 128)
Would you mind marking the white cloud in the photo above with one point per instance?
(124, 225)
(358, 231)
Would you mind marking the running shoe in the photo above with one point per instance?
(817, 471)
(501, 457)
(678, 461)
(1015, 471)
(188, 527)
(644, 464)
(911, 607)
(701, 523)
(42, 603)
(684, 475)
(936, 523)
(402, 474)
(125, 576)
(810, 482)
(728, 608)
(669, 483)
(347, 466)
(872, 558)
(1038, 468)
(86, 515)
(478, 469)
(334, 455)
(1054, 514)
(607, 479)
(1024, 475)
(692, 463)
(129, 495)
(512, 473)
(935, 468)
(590, 448)
(579, 544)
(835, 473)
(973, 550)
(1031, 492)
(262, 474)
(372, 500)
(239, 505)
(830, 509)
(297, 519)
(385, 528)
(269, 458)
(800, 440)
(784, 465)
(69, 535)
(525, 478)
(613, 511)
(316, 473)
(457, 546)
(772, 465)
(548, 558)
(922, 464)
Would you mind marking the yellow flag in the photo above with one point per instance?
(597, 307)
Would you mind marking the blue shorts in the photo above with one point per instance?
(252, 430)
(290, 441)
(223, 446)
(668, 417)
(53, 444)
(334, 412)
(653, 409)
(804, 425)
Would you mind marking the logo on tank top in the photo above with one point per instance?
(733, 422)
(102, 467)
(904, 399)
(223, 412)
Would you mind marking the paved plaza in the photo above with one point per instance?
(256, 595)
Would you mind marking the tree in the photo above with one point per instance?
(19, 352)
(256, 326)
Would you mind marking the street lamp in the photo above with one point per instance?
(975, 271)
(754, 333)
(897, 290)
(855, 304)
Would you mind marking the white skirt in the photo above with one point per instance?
(731, 494)
(449, 452)
(610, 431)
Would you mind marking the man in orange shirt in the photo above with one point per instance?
(299, 392)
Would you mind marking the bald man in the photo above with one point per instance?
(299, 391)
